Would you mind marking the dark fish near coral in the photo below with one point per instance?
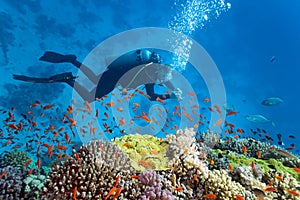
(271, 101)
(257, 118)
(259, 193)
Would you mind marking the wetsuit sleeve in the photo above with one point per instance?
(153, 95)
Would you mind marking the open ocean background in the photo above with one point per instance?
(241, 41)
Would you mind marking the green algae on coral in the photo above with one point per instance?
(242, 160)
(145, 151)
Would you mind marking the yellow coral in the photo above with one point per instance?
(145, 151)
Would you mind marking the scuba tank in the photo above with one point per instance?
(133, 59)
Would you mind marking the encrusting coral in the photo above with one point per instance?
(145, 151)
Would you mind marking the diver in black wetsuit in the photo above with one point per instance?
(140, 67)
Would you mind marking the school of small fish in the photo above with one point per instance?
(46, 136)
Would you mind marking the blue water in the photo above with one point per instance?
(241, 41)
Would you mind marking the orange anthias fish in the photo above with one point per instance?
(252, 165)
(144, 117)
(3, 173)
(210, 196)
(218, 122)
(46, 107)
(74, 193)
(231, 113)
(293, 192)
(230, 167)
(39, 163)
(27, 163)
(297, 170)
(245, 150)
(178, 189)
(218, 109)
(270, 189)
(206, 100)
(118, 192)
(12, 126)
(258, 154)
(239, 197)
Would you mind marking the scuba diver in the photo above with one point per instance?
(129, 71)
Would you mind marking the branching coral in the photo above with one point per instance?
(12, 185)
(283, 182)
(183, 144)
(221, 184)
(109, 153)
(152, 187)
(81, 176)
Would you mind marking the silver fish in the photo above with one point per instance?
(257, 118)
(272, 101)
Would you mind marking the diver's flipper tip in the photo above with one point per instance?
(53, 57)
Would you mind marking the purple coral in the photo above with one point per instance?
(153, 187)
(11, 183)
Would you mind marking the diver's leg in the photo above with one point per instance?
(87, 71)
(54, 57)
(153, 95)
(84, 93)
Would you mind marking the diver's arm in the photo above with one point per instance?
(176, 93)
(169, 85)
(153, 96)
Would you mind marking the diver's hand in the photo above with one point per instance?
(176, 94)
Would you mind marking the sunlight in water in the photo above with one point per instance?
(193, 14)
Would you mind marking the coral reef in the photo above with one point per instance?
(184, 143)
(216, 160)
(34, 185)
(266, 165)
(82, 177)
(15, 159)
(145, 151)
(109, 153)
(116, 170)
(13, 184)
(250, 179)
(152, 187)
(221, 184)
(282, 181)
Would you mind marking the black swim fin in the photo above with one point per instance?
(66, 77)
(30, 79)
(54, 57)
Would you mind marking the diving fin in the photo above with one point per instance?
(30, 79)
(66, 77)
(54, 57)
